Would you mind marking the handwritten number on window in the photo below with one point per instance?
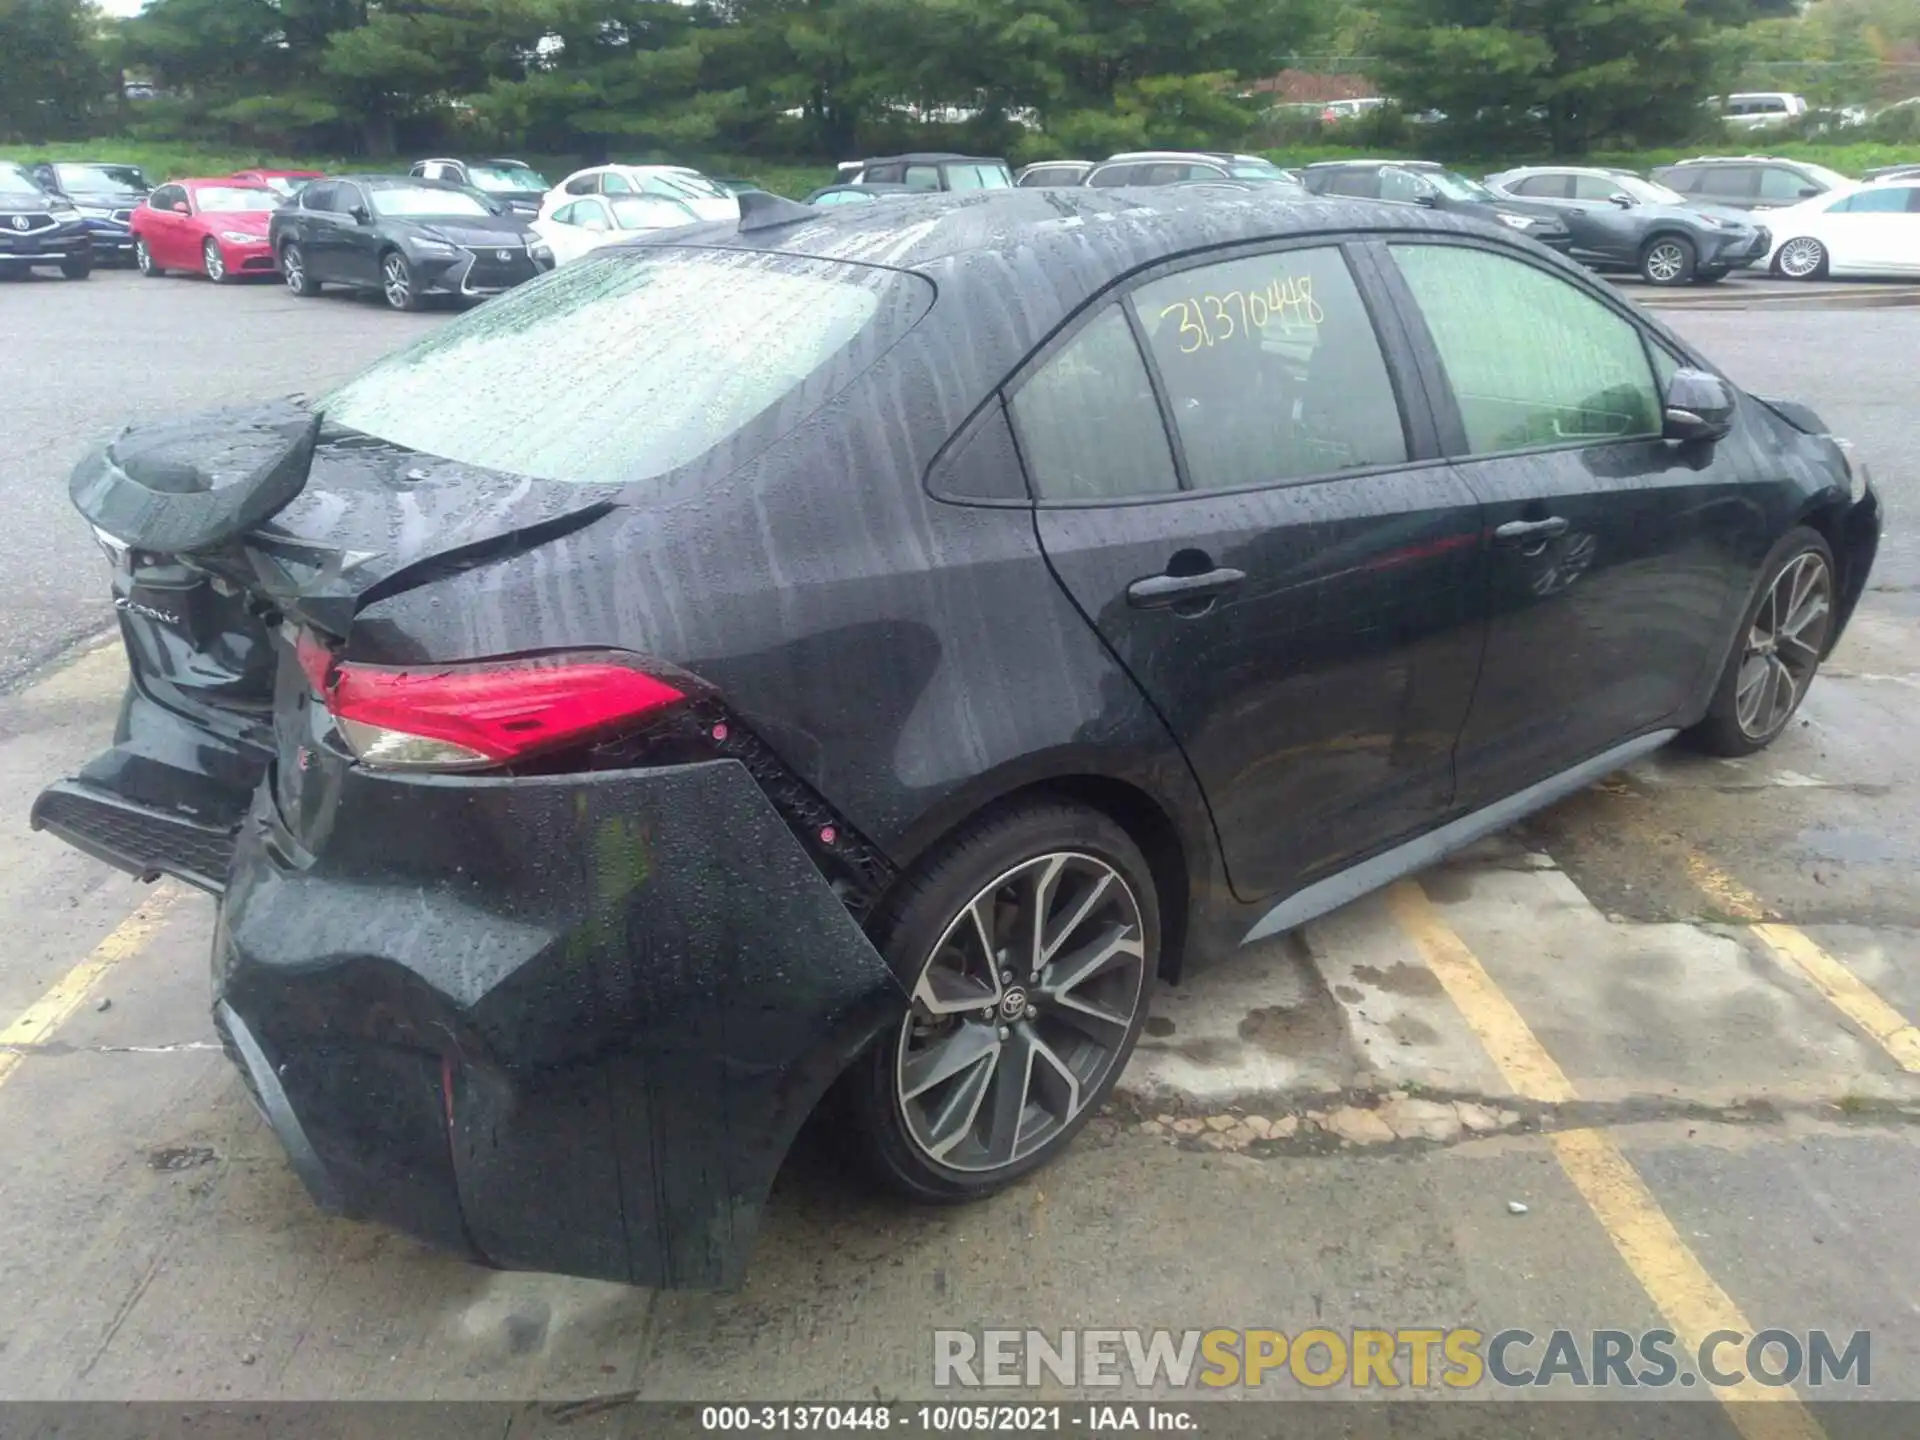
(1285, 301)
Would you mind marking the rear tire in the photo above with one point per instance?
(143, 261)
(293, 269)
(1777, 650)
(1668, 260)
(1008, 1047)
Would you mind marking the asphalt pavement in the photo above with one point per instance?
(1648, 1062)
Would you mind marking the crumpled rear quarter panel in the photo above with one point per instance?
(641, 982)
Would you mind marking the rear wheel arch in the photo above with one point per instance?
(1147, 821)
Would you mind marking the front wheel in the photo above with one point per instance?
(293, 269)
(214, 261)
(78, 268)
(143, 258)
(397, 282)
(1668, 260)
(1802, 259)
(1777, 650)
(1028, 946)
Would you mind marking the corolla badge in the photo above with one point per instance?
(19, 222)
(134, 607)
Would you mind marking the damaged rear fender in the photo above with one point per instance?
(567, 1023)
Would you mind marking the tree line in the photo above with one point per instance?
(826, 79)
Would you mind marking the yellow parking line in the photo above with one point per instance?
(69, 992)
(1666, 1267)
(1795, 949)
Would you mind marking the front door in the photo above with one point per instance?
(1616, 560)
(1291, 582)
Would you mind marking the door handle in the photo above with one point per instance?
(1156, 592)
(1528, 532)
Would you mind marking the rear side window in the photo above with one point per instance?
(1272, 369)
(1088, 422)
(1532, 360)
(624, 366)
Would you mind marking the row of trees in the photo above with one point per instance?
(822, 78)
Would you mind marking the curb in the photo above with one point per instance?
(1883, 298)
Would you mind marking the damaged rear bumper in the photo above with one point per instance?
(559, 1023)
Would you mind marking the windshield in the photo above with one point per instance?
(1647, 192)
(423, 200)
(226, 198)
(979, 177)
(506, 179)
(1456, 187)
(649, 212)
(100, 179)
(626, 364)
(16, 182)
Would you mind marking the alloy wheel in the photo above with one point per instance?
(295, 271)
(216, 262)
(1665, 262)
(395, 281)
(1784, 646)
(1021, 1011)
(143, 257)
(1802, 259)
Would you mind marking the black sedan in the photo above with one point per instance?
(38, 228)
(406, 238)
(1617, 221)
(873, 647)
(1421, 182)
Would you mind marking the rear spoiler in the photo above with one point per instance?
(190, 485)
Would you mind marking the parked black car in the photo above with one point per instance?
(514, 184)
(105, 194)
(730, 665)
(1748, 182)
(1617, 221)
(1421, 182)
(37, 228)
(930, 170)
(406, 238)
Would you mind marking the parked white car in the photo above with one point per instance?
(1761, 109)
(1863, 230)
(576, 225)
(707, 200)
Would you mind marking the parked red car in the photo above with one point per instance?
(287, 182)
(218, 227)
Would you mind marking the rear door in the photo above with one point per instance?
(1616, 559)
(1289, 578)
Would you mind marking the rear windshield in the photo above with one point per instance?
(628, 364)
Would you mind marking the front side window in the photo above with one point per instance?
(628, 364)
(1532, 360)
(923, 177)
(319, 195)
(1597, 187)
(1777, 183)
(1272, 369)
(1088, 423)
(1404, 185)
(1873, 202)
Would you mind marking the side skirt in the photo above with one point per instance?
(1423, 850)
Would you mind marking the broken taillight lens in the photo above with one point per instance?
(474, 717)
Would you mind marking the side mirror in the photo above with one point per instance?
(361, 215)
(1698, 406)
(1624, 201)
(1808, 192)
(1426, 195)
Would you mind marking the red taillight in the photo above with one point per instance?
(316, 660)
(465, 717)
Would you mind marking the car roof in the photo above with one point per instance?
(388, 180)
(228, 182)
(1736, 160)
(1375, 164)
(932, 157)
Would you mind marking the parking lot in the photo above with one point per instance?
(1650, 1060)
